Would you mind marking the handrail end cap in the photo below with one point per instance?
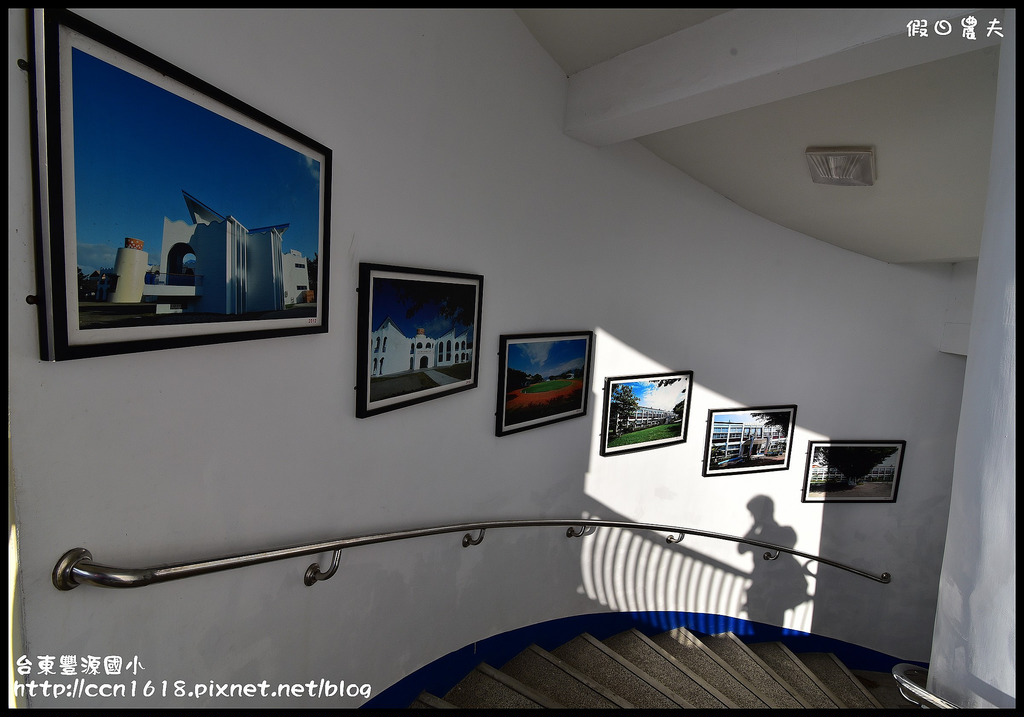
(62, 572)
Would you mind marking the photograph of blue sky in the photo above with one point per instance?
(388, 301)
(653, 396)
(137, 147)
(547, 358)
(737, 418)
(746, 416)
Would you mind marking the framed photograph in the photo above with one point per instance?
(170, 213)
(542, 379)
(418, 334)
(645, 411)
(853, 471)
(749, 440)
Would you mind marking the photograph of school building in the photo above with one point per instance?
(732, 442)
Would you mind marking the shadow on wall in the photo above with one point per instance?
(779, 581)
(634, 571)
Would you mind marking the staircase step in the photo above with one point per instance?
(425, 700)
(768, 685)
(605, 666)
(785, 664)
(843, 684)
(676, 669)
(655, 661)
(552, 676)
(486, 688)
(691, 652)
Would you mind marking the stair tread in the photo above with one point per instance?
(839, 679)
(779, 658)
(674, 669)
(480, 690)
(687, 649)
(551, 676)
(774, 692)
(598, 661)
(639, 650)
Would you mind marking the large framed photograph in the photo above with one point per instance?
(418, 335)
(645, 411)
(542, 379)
(749, 440)
(170, 213)
(853, 471)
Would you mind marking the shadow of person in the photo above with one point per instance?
(777, 584)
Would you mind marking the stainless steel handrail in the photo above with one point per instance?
(76, 567)
(918, 694)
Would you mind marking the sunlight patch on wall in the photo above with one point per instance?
(665, 485)
(626, 570)
(632, 572)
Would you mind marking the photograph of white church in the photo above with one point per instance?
(419, 351)
(420, 332)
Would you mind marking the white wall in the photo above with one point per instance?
(446, 127)
(974, 649)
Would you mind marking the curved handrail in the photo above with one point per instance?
(76, 567)
(918, 694)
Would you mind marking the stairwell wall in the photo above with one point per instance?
(975, 639)
(449, 154)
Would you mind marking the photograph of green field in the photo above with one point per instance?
(647, 411)
(544, 379)
(645, 435)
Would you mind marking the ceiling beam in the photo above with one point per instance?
(750, 57)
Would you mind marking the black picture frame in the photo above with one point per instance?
(856, 471)
(749, 440)
(419, 335)
(169, 212)
(645, 411)
(543, 378)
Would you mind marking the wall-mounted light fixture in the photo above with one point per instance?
(842, 166)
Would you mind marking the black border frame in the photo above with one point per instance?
(606, 405)
(367, 274)
(748, 409)
(44, 27)
(500, 428)
(811, 445)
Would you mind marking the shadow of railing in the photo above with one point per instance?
(627, 570)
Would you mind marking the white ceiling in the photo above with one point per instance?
(734, 97)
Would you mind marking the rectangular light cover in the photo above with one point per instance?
(842, 166)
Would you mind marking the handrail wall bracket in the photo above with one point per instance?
(313, 574)
(572, 532)
(468, 538)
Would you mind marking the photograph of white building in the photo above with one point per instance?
(392, 351)
(417, 335)
(213, 265)
(748, 440)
